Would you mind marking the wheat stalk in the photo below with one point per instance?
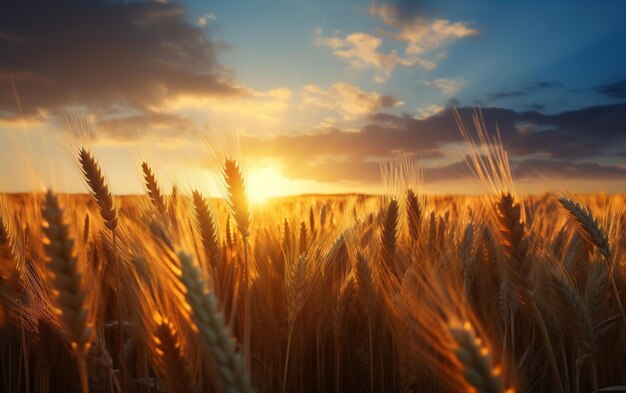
(515, 243)
(367, 289)
(576, 317)
(297, 287)
(106, 204)
(209, 322)
(70, 295)
(514, 240)
(594, 233)
(240, 210)
(169, 358)
(346, 302)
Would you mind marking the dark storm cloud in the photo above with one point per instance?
(613, 90)
(525, 91)
(103, 55)
(557, 142)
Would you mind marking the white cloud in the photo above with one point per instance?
(346, 99)
(428, 111)
(257, 112)
(421, 37)
(448, 86)
(363, 50)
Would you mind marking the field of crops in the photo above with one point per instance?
(176, 292)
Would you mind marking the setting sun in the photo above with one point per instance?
(267, 182)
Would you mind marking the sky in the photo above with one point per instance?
(320, 92)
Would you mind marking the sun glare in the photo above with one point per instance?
(265, 182)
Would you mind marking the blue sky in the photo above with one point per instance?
(321, 92)
(520, 43)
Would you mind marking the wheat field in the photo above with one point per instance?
(406, 292)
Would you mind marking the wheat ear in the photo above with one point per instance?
(209, 322)
(170, 361)
(390, 228)
(86, 229)
(389, 235)
(475, 359)
(237, 198)
(302, 238)
(414, 214)
(515, 241)
(99, 188)
(7, 257)
(594, 233)
(154, 192)
(589, 227)
(67, 283)
(208, 236)
(311, 221)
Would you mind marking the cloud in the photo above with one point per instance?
(613, 90)
(524, 91)
(249, 105)
(104, 55)
(448, 86)
(529, 169)
(567, 170)
(346, 99)
(129, 127)
(410, 9)
(566, 143)
(420, 36)
(363, 50)
(585, 132)
(428, 111)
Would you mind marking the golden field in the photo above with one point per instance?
(176, 292)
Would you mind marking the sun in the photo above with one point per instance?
(265, 182)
